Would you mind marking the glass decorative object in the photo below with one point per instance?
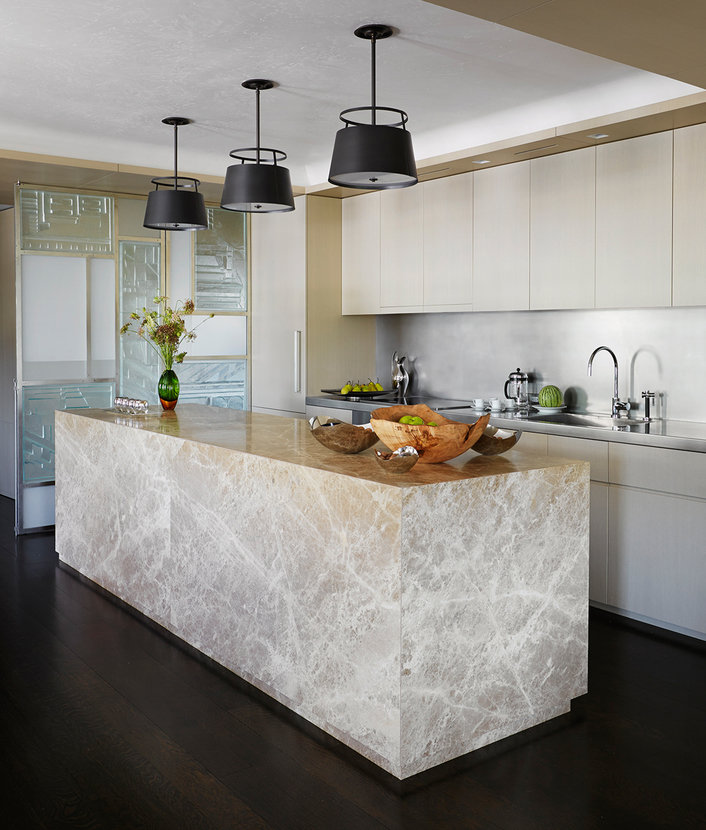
(168, 389)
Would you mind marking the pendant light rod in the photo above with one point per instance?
(258, 84)
(373, 97)
(257, 123)
(373, 32)
(176, 122)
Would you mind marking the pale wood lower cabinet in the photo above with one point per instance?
(501, 217)
(634, 222)
(648, 523)
(596, 453)
(345, 415)
(657, 562)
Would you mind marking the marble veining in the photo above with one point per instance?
(414, 620)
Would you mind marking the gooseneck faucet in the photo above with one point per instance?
(617, 406)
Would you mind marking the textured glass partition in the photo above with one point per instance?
(214, 382)
(66, 222)
(140, 283)
(220, 263)
(38, 405)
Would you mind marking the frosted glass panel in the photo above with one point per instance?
(214, 382)
(140, 283)
(131, 215)
(220, 271)
(38, 405)
(53, 317)
(102, 336)
(38, 507)
(180, 266)
(67, 222)
(218, 336)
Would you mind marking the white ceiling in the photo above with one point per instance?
(93, 80)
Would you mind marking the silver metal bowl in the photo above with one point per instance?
(399, 461)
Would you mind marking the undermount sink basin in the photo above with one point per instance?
(571, 419)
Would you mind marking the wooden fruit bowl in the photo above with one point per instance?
(434, 444)
(341, 437)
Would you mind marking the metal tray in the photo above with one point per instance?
(356, 394)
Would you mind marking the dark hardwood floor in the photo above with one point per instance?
(106, 723)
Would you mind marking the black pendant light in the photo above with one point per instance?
(179, 206)
(258, 184)
(373, 156)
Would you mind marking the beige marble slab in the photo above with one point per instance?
(415, 617)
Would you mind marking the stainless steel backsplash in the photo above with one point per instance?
(468, 355)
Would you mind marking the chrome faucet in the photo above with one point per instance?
(617, 406)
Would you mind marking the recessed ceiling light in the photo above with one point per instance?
(598, 135)
(480, 161)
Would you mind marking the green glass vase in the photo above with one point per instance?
(168, 389)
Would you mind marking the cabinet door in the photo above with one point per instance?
(598, 544)
(345, 415)
(279, 310)
(688, 283)
(501, 238)
(401, 250)
(563, 230)
(582, 449)
(361, 255)
(448, 235)
(596, 453)
(657, 565)
(634, 222)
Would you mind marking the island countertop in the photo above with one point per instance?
(414, 617)
(290, 440)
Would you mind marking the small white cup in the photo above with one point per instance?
(479, 403)
(495, 403)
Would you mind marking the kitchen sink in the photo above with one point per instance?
(571, 419)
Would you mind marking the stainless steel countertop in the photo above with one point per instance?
(675, 435)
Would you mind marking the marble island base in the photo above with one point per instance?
(415, 618)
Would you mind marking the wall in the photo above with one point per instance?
(467, 355)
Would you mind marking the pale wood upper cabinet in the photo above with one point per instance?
(634, 222)
(563, 230)
(689, 265)
(401, 250)
(361, 254)
(501, 213)
(448, 243)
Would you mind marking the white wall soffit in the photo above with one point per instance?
(91, 80)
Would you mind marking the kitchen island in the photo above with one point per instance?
(415, 617)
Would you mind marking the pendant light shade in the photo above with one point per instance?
(258, 184)
(372, 156)
(178, 206)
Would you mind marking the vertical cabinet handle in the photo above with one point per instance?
(297, 361)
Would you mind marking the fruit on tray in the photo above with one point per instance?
(371, 386)
(550, 396)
